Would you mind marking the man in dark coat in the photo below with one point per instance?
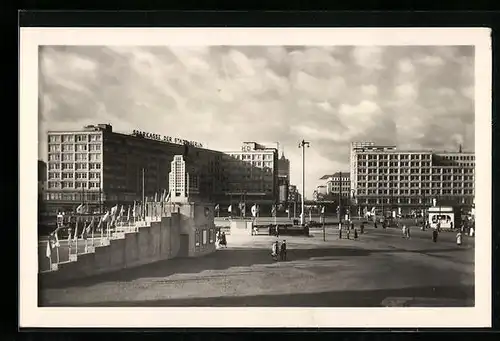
(283, 251)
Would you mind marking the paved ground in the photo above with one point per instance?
(379, 269)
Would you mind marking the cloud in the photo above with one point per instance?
(413, 96)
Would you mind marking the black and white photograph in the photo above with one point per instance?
(262, 178)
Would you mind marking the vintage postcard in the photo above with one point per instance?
(255, 177)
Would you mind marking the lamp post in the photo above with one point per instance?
(303, 144)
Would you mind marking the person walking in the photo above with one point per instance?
(283, 251)
(459, 238)
(277, 231)
(404, 231)
(434, 235)
(274, 250)
(408, 235)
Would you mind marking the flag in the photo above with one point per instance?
(48, 252)
(79, 209)
(133, 211)
(254, 210)
(114, 210)
(323, 210)
(273, 210)
(156, 196)
(128, 213)
(229, 209)
(75, 236)
(122, 211)
(216, 207)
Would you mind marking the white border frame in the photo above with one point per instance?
(33, 316)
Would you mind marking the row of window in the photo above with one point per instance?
(414, 201)
(75, 157)
(71, 166)
(394, 156)
(416, 177)
(414, 171)
(414, 157)
(71, 175)
(416, 192)
(248, 157)
(414, 184)
(72, 184)
(57, 148)
(75, 196)
(71, 138)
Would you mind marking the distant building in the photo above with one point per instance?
(252, 175)
(339, 184)
(384, 176)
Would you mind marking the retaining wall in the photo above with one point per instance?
(159, 241)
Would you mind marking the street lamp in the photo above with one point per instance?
(303, 144)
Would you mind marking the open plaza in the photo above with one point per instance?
(378, 269)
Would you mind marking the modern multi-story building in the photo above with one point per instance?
(100, 168)
(384, 176)
(251, 175)
(42, 182)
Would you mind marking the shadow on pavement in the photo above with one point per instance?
(220, 260)
(227, 258)
(444, 296)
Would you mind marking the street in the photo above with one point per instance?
(379, 269)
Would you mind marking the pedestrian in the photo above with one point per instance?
(375, 224)
(352, 225)
(348, 234)
(283, 251)
(355, 234)
(270, 230)
(471, 231)
(340, 233)
(408, 235)
(223, 241)
(362, 227)
(459, 238)
(274, 250)
(277, 231)
(404, 231)
(434, 235)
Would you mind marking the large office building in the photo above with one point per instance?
(100, 168)
(383, 176)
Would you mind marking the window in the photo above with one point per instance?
(67, 166)
(94, 147)
(54, 138)
(67, 184)
(94, 157)
(95, 137)
(67, 138)
(81, 175)
(81, 147)
(54, 148)
(80, 166)
(53, 166)
(54, 175)
(81, 138)
(55, 157)
(94, 175)
(94, 166)
(81, 157)
(67, 175)
(67, 157)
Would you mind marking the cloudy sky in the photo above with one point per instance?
(415, 97)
